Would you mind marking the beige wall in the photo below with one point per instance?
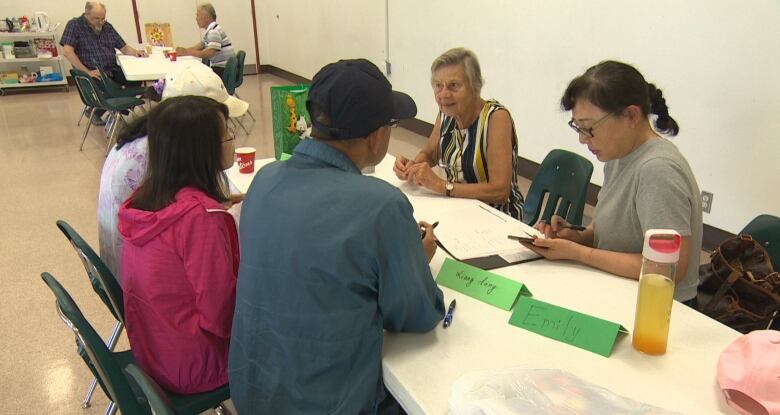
(716, 60)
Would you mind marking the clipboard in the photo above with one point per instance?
(487, 262)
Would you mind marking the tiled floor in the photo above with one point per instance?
(44, 177)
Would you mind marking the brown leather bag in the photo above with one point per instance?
(745, 288)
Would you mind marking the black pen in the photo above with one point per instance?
(448, 316)
(422, 231)
(568, 226)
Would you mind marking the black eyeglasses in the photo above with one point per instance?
(588, 131)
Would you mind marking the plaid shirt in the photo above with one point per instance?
(94, 50)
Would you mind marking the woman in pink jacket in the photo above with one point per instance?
(180, 256)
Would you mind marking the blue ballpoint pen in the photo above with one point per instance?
(448, 316)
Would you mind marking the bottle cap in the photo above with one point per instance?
(662, 245)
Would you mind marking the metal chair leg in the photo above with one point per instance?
(112, 131)
(83, 111)
(112, 408)
(238, 120)
(235, 94)
(113, 339)
(86, 131)
(110, 119)
(90, 391)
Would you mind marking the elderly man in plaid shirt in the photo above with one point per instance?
(89, 42)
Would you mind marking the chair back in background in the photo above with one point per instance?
(562, 180)
(106, 367)
(102, 279)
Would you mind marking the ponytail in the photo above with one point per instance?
(664, 123)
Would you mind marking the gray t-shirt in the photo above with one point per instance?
(216, 38)
(651, 188)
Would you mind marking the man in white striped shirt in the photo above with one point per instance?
(215, 45)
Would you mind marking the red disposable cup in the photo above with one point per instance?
(245, 157)
(172, 56)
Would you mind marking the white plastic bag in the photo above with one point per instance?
(531, 391)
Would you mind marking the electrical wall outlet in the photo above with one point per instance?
(706, 201)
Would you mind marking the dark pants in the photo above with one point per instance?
(219, 70)
(389, 406)
(692, 303)
(116, 75)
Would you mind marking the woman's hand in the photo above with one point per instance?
(401, 167)
(421, 174)
(428, 240)
(558, 248)
(557, 228)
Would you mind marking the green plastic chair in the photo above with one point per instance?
(230, 74)
(241, 57)
(229, 77)
(114, 90)
(563, 178)
(110, 365)
(105, 285)
(765, 229)
(155, 395)
(90, 100)
(88, 87)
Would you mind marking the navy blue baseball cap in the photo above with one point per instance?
(352, 98)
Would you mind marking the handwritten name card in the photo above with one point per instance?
(480, 284)
(567, 326)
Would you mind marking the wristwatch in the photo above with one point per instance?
(449, 188)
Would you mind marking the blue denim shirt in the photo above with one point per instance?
(329, 260)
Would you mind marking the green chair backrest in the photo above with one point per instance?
(240, 57)
(563, 177)
(90, 96)
(229, 75)
(107, 368)
(766, 230)
(158, 399)
(104, 283)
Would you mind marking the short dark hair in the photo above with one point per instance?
(132, 131)
(185, 149)
(613, 86)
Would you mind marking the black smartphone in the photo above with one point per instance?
(521, 238)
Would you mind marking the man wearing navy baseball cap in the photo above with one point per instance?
(330, 259)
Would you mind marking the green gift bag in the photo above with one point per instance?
(290, 118)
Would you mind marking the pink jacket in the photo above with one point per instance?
(179, 268)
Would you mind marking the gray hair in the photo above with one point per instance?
(91, 5)
(465, 57)
(209, 9)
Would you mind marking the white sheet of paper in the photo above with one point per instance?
(484, 233)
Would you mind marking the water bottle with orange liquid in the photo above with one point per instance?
(656, 290)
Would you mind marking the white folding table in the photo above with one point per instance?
(419, 369)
